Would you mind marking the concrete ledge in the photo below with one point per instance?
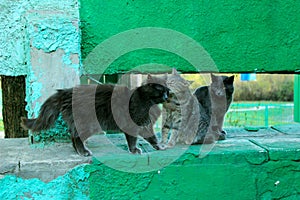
(51, 161)
(248, 165)
(36, 161)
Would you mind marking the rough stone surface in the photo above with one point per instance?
(54, 51)
(16, 19)
(37, 161)
(244, 36)
(41, 39)
(237, 168)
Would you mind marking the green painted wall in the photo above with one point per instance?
(261, 36)
(240, 36)
(297, 98)
(239, 171)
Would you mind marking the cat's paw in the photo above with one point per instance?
(136, 151)
(80, 147)
(222, 135)
(209, 139)
(160, 146)
(84, 152)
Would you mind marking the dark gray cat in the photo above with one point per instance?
(214, 102)
(115, 108)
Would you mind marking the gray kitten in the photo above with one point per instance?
(214, 102)
(89, 109)
(180, 112)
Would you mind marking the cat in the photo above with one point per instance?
(116, 108)
(214, 102)
(180, 112)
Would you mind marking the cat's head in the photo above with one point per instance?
(176, 83)
(154, 89)
(162, 80)
(220, 85)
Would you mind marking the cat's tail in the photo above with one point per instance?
(48, 114)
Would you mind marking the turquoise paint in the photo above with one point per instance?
(67, 60)
(263, 168)
(59, 133)
(73, 185)
(33, 93)
(54, 26)
(50, 34)
(12, 39)
(219, 175)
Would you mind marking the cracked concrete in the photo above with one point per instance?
(48, 162)
(34, 161)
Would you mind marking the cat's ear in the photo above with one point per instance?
(213, 78)
(165, 77)
(230, 79)
(174, 71)
(149, 77)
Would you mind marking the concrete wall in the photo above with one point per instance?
(240, 36)
(40, 39)
(259, 168)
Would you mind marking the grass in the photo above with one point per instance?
(263, 114)
(1, 125)
(243, 114)
(253, 114)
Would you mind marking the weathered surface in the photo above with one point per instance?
(13, 95)
(12, 38)
(54, 51)
(243, 36)
(237, 168)
(41, 39)
(52, 29)
(36, 161)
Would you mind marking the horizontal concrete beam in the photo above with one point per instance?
(248, 165)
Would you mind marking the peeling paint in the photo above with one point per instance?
(15, 27)
(73, 185)
(50, 34)
(222, 174)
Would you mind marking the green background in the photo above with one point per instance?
(240, 36)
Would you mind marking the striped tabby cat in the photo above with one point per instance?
(180, 112)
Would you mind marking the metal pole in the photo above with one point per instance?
(266, 116)
(297, 98)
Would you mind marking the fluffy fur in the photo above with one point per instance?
(214, 102)
(180, 112)
(89, 109)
